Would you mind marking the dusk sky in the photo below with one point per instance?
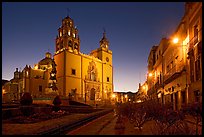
(29, 30)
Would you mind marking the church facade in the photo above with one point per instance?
(69, 73)
(81, 77)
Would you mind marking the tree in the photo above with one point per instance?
(26, 104)
(57, 102)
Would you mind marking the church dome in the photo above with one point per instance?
(47, 60)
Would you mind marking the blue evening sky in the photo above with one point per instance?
(29, 30)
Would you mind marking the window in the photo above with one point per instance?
(40, 88)
(195, 34)
(160, 77)
(75, 46)
(70, 44)
(196, 95)
(26, 73)
(172, 88)
(172, 100)
(183, 95)
(167, 68)
(69, 32)
(197, 69)
(191, 70)
(61, 45)
(60, 34)
(107, 79)
(73, 71)
(172, 64)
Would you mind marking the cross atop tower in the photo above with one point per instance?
(68, 11)
(104, 32)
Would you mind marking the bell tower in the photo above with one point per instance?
(67, 37)
(104, 43)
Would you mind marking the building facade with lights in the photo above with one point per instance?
(175, 65)
(70, 73)
(37, 81)
(84, 78)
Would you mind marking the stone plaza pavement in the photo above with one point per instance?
(104, 125)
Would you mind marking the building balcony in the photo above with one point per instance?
(196, 40)
(158, 85)
(174, 73)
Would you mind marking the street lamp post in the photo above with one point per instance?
(176, 41)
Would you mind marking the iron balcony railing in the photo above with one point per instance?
(174, 72)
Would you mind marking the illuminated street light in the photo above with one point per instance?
(143, 87)
(4, 92)
(175, 40)
(150, 74)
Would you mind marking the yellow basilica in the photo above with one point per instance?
(86, 78)
(79, 77)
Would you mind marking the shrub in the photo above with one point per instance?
(26, 102)
(26, 99)
(57, 101)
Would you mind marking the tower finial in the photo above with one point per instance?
(104, 32)
(68, 11)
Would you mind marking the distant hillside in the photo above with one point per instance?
(4, 81)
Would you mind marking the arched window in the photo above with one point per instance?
(70, 43)
(75, 46)
(61, 45)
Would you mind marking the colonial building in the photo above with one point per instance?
(175, 65)
(193, 17)
(11, 89)
(85, 78)
(70, 73)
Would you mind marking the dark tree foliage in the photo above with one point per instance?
(57, 102)
(26, 104)
(26, 99)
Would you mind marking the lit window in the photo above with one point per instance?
(74, 35)
(36, 66)
(69, 32)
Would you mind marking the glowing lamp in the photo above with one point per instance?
(175, 40)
